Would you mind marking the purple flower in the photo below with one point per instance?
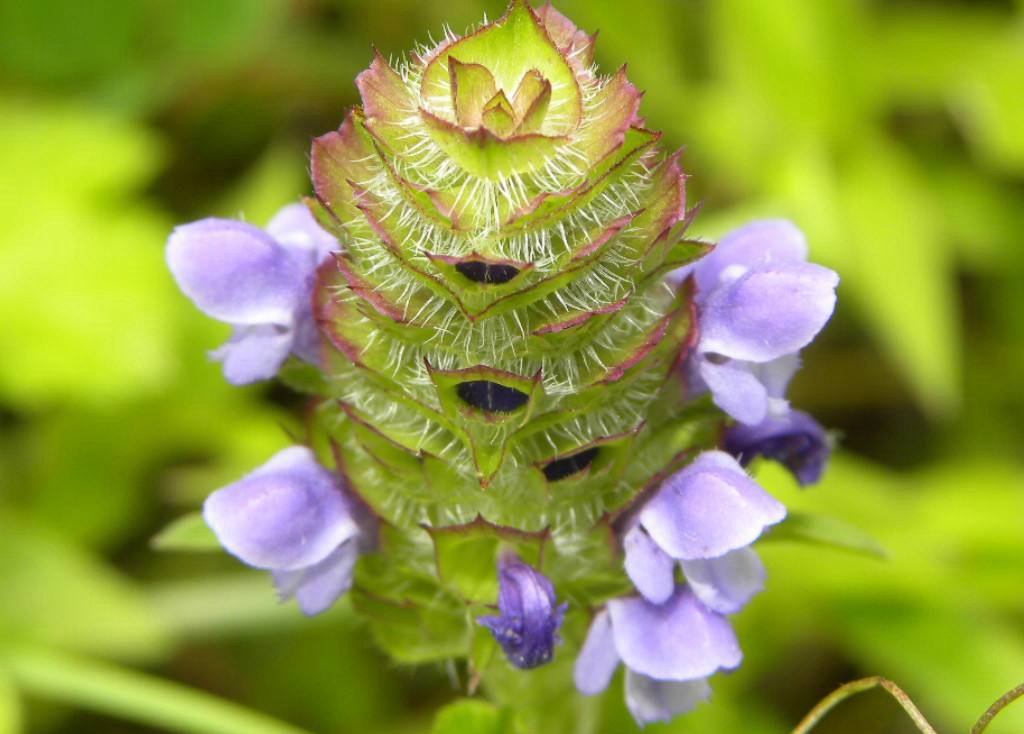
(669, 650)
(703, 516)
(260, 282)
(530, 617)
(292, 517)
(759, 302)
(794, 439)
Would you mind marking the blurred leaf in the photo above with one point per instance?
(84, 293)
(224, 605)
(64, 40)
(956, 662)
(375, 697)
(277, 179)
(71, 455)
(10, 705)
(982, 216)
(789, 60)
(938, 48)
(187, 533)
(824, 530)
(472, 716)
(994, 104)
(212, 31)
(57, 594)
(925, 617)
(873, 220)
(133, 695)
(898, 269)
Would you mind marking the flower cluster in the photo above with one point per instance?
(495, 282)
(760, 302)
(704, 518)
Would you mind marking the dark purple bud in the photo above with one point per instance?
(795, 440)
(530, 617)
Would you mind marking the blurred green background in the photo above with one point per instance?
(891, 131)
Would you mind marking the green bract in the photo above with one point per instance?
(501, 340)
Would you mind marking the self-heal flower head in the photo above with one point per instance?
(527, 628)
(703, 516)
(759, 303)
(292, 517)
(494, 356)
(260, 282)
(794, 439)
(669, 651)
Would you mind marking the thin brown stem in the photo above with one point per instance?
(1005, 700)
(854, 687)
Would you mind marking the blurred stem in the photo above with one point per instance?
(864, 684)
(1005, 700)
(131, 695)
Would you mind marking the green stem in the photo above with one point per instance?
(864, 684)
(131, 695)
(1005, 700)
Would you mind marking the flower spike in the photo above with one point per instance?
(494, 295)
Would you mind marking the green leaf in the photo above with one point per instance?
(472, 716)
(187, 533)
(105, 333)
(472, 86)
(467, 556)
(890, 228)
(133, 695)
(411, 633)
(995, 111)
(487, 156)
(275, 180)
(10, 706)
(303, 377)
(224, 604)
(872, 218)
(67, 42)
(829, 531)
(490, 47)
(956, 660)
(57, 594)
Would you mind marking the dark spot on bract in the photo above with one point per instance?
(569, 465)
(486, 273)
(491, 397)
